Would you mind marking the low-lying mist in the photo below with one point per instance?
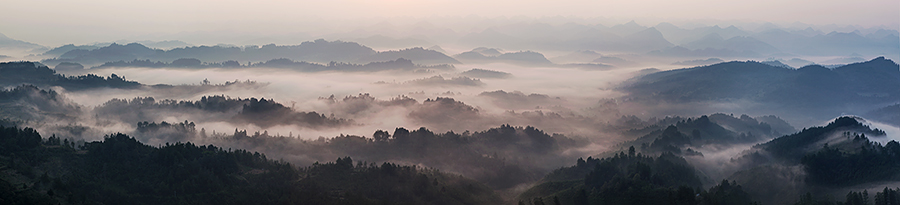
(504, 125)
(307, 91)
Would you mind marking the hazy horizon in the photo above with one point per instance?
(54, 23)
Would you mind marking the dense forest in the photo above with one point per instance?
(683, 135)
(120, 170)
(36, 74)
(501, 157)
(631, 178)
(16, 73)
(261, 112)
(820, 160)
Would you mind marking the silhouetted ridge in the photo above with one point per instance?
(793, 147)
(813, 91)
(15, 73)
(631, 178)
(418, 55)
(261, 112)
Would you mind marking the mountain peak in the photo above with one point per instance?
(632, 23)
(665, 25)
(649, 32)
(881, 60)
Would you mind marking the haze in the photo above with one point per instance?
(85, 22)
(449, 102)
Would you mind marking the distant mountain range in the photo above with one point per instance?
(486, 55)
(699, 62)
(417, 54)
(583, 39)
(381, 41)
(632, 37)
(11, 49)
(661, 40)
(738, 43)
(313, 51)
(6, 42)
(834, 43)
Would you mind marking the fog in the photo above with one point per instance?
(574, 91)
(515, 99)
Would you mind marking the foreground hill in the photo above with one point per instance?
(823, 160)
(802, 168)
(502, 157)
(631, 178)
(121, 170)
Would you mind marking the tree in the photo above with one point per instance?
(381, 136)
(888, 196)
(538, 201)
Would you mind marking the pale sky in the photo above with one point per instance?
(54, 22)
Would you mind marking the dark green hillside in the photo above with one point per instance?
(854, 162)
(630, 179)
(121, 170)
(502, 157)
(821, 160)
(17, 73)
(871, 81)
(261, 112)
(681, 136)
(811, 93)
(793, 147)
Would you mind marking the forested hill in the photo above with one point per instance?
(121, 170)
(503, 157)
(17, 73)
(804, 96)
(841, 130)
(631, 178)
(32, 73)
(260, 112)
(872, 81)
(835, 158)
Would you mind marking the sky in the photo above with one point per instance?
(52, 22)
